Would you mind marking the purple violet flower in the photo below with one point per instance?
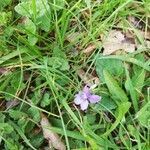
(84, 97)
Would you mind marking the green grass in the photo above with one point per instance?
(39, 65)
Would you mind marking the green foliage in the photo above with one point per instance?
(114, 66)
(4, 3)
(143, 115)
(58, 63)
(120, 113)
(116, 91)
(11, 145)
(6, 128)
(45, 100)
(5, 18)
(129, 87)
(30, 29)
(41, 45)
(36, 97)
(13, 86)
(16, 114)
(39, 12)
(2, 118)
(37, 140)
(106, 104)
(58, 4)
(58, 59)
(34, 113)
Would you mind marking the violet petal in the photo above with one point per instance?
(78, 99)
(86, 90)
(84, 105)
(84, 96)
(94, 98)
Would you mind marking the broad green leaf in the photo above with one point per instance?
(30, 29)
(24, 9)
(116, 91)
(16, 114)
(143, 115)
(128, 59)
(38, 11)
(136, 68)
(45, 100)
(138, 76)
(138, 80)
(34, 113)
(129, 87)
(44, 22)
(105, 104)
(121, 111)
(6, 128)
(114, 66)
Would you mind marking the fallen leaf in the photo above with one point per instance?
(144, 35)
(4, 71)
(146, 45)
(89, 49)
(116, 41)
(88, 78)
(11, 104)
(137, 23)
(53, 138)
(73, 37)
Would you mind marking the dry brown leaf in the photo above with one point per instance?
(137, 23)
(144, 35)
(4, 71)
(73, 37)
(146, 45)
(53, 138)
(11, 104)
(87, 78)
(116, 41)
(89, 49)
